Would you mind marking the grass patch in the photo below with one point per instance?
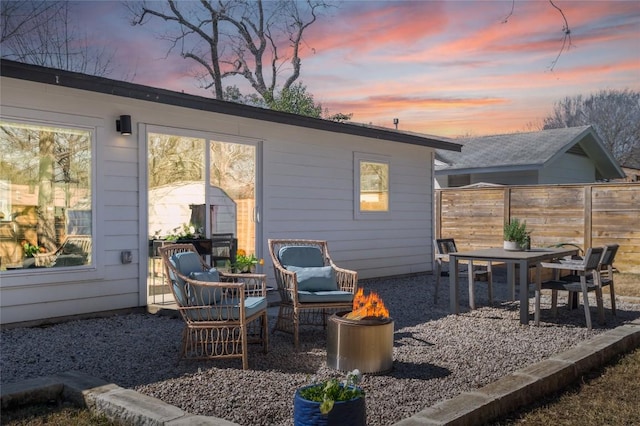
(53, 414)
(626, 284)
(609, 396)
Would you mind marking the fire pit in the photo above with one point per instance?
(361, 339)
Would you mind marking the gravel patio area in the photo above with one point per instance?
(436, 355)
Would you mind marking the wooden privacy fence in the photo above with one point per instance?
(583, 214)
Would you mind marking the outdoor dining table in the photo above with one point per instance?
(523, 258)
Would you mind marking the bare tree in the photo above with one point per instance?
(19, 18)
(615, 114)
(566, 31)
(258, 41)
(45, 33)
(174, 158)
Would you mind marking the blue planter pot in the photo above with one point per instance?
(344, 413)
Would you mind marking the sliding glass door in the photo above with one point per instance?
(199, 187)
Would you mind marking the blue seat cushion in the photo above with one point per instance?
(230, 310)
(303, 256)
(313, 278)
(202, 295)
(178, 284)
(325, 296)
(186, 263)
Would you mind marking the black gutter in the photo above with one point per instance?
(28, 72)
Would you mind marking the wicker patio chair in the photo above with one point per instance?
(222, 311)
(311, 286)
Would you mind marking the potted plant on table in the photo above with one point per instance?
(515, 235)
(245, 263)
(331, 402)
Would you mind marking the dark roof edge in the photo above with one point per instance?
(482, 170)
(36, 73)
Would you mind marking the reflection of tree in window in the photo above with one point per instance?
(232, 168)
(49, 170)
(374, 186)
(174, 159)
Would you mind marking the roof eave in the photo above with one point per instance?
(35, 73)
(484, 170)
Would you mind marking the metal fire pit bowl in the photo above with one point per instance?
(365, 344)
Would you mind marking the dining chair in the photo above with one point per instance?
(606, 273)
(444, 246)
(583, 268)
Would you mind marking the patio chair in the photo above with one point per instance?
(444, 246)
(311, 286)
(222, 311)
(606, 273)
(75, 250)
(584, 268)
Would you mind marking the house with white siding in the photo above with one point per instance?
(554, 156)
(81, 204)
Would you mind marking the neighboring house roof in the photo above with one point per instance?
(527, 151)
(124, 89)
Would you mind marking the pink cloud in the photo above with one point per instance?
(390, 24)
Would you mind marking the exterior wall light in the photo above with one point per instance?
(124, 125)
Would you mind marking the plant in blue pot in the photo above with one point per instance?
(331, 403)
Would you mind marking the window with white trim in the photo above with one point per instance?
(371, 178)
(45, 196)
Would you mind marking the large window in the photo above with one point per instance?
(372, 184)
(45, 196)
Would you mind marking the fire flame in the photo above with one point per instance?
(370, 305)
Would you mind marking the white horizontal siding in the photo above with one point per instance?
(309, 194)
(307, 187)
(63, 308)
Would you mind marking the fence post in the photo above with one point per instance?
(506, 216)
(588, 226)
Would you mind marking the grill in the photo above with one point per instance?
(365, 344)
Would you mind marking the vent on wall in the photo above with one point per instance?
(576, 150)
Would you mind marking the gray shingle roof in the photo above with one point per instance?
(527, 151)
(531, 149)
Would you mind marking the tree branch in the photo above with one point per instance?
(566, 40)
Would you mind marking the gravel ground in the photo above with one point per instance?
(436, 355)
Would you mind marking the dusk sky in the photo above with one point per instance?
(445, 68)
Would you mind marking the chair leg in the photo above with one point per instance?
(490, 283)
(554, 303)
(600, 305)
(438, 272)
(243, 336)
(585, 301)
(572, 302)
(296, 326)
(536, 314)
(612, 293)
(265, 332)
